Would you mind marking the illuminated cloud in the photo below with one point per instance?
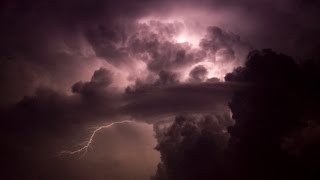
(66, 66)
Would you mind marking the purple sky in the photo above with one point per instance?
(68, 66)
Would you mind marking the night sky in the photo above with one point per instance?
(160, 90)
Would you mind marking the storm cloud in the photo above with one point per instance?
(187, 72)
(272, 115)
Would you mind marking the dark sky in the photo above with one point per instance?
(220, 89)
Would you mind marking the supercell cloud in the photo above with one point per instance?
(216, 89)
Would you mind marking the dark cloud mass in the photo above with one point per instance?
(207, 99)
(198, 74)
(272, 115)
(192, 145)
(99, 81)
(276, 107)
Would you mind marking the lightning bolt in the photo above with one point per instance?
(87, 144)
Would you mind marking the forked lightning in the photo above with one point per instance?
(87, 144)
